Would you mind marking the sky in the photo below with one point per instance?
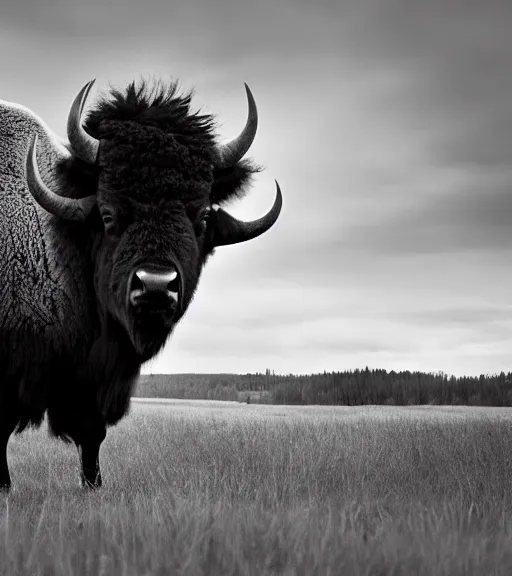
(388, 124)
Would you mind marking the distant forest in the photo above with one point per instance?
(344, 388)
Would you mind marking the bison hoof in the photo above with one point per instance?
(90, 483)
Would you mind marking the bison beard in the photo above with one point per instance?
(110, 237)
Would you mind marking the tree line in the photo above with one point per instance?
(354, 387)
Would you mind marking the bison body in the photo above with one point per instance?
(102, 243)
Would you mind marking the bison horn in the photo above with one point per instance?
(229, 230)
(65, 208)
(84, 146)
(232, 152)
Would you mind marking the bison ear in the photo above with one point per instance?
(233, 182)
(79, 176)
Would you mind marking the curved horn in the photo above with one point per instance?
(65, 208)
(84, 146)
(229, 230)
(232, 152)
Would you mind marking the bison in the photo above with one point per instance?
(102, 243)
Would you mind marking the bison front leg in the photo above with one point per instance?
(92, 433)
(90, 475)
(73, 414)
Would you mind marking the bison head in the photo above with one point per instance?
(152, 205)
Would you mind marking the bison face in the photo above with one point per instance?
(147, 267)
(152, 207)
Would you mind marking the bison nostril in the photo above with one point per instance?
(137, 283)
(136, 289)
(173, 285)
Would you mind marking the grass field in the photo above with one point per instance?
(226, 488)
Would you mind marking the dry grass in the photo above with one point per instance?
(235, 489)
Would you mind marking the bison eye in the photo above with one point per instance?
(205, 216)
(203, 221)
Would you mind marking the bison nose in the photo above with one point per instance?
(146, 282)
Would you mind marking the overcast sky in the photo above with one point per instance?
(388, 124)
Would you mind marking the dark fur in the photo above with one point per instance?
(155, 172)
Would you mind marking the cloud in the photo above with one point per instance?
(471, 215)
(478, 314)
(226, 30)
(449, 98)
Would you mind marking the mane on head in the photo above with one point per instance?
(159, 106)
(165, 109)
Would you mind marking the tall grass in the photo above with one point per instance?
(268, 490)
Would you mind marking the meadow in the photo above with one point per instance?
(197, 487)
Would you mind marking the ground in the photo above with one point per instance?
(197, 487)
